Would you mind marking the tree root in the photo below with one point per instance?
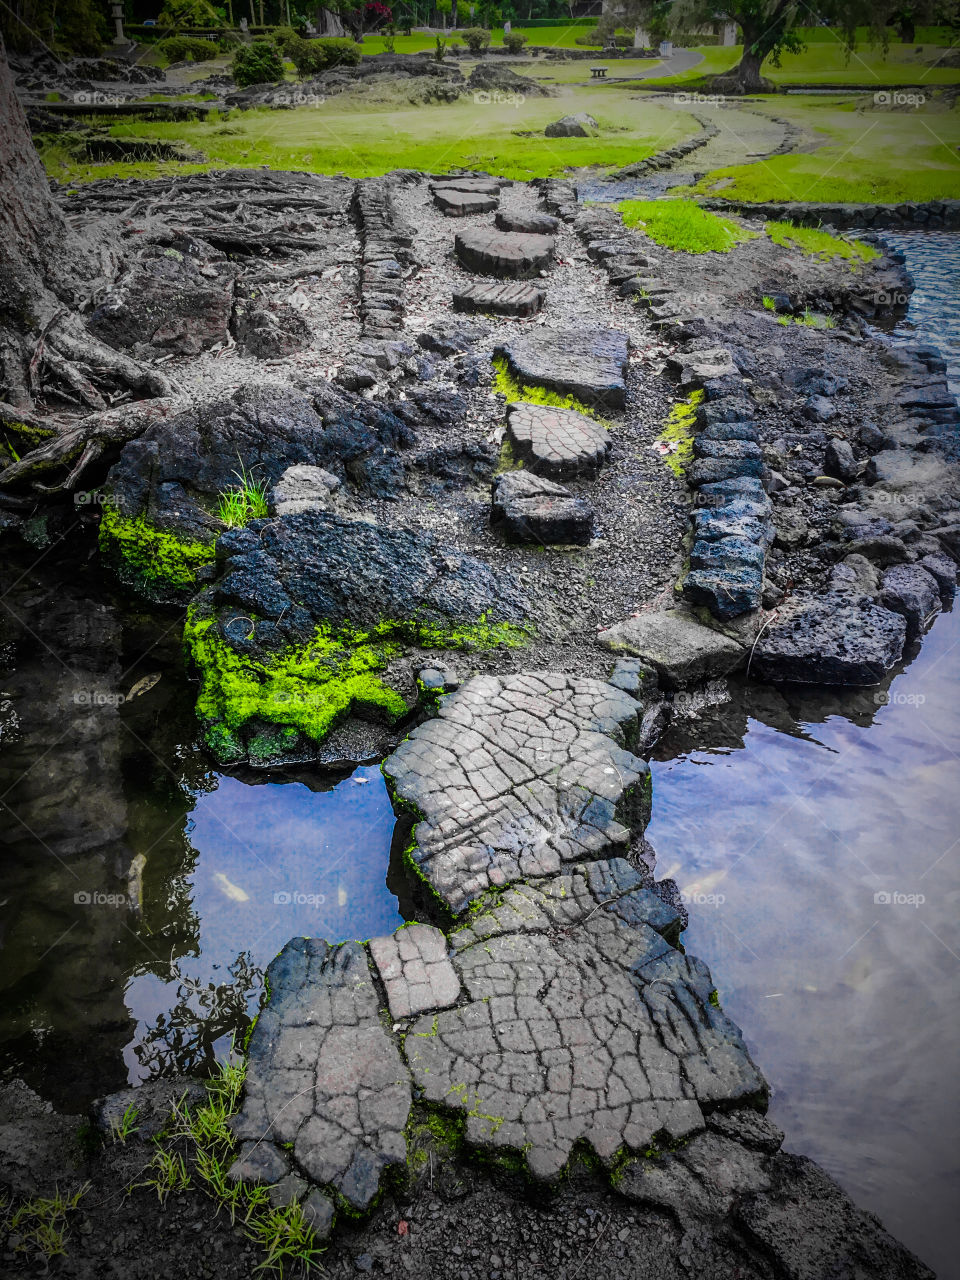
(80, 444)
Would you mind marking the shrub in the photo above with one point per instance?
(475, 38)
(227, 41)
(188, 13)
(257, 63)
(285, 38)
(186, 49)
(310, 57)
(514, 41)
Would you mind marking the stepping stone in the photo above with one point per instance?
(325, 1079)
(415, 971)
(556, 442)
(535, 224)
(530, 509)
(589, 364)
(516, 776)
(480, 186)
(580, 1025)
(683, 651)
(458, 204)
(728, 590)
(508, 299)
(507, 254)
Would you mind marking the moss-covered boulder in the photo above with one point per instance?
(318, 618)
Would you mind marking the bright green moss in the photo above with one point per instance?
(305, 688)
(683, 225)
(676, 438)
(507, 385)
(811, 241)
(157, 557)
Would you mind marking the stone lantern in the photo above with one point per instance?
(116, 12)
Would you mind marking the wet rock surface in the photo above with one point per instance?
(831, 639)
(515, 777)
(588, 364)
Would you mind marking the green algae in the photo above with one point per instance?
(156, 557)
(677, 434)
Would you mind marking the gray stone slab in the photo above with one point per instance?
(683, 651)
(530, 508)
(589, 364)
(511, 255)
(834, 638)
(556, 442)
(415, 971)
(326, 1088)
(508, 298)
(458, 204)
(516, 776)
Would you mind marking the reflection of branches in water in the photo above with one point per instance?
(183, 1040)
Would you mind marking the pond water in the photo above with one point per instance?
(815, 836)
(141, 893)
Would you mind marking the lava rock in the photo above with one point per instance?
(833, 639)
(908, 589)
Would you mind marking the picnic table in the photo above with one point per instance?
(597, 73)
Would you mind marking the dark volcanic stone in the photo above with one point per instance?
(535, 224)
(838, 460)
(458, 204)
(943, 569)
(556, 442)
(908, 589)
(177, 298)
(508, 254)
(589, 364)
(317, 566)
(830, 639)
(531, 509)
(727, 590)
(710, 470)
(507, 299)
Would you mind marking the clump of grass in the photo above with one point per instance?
(675, 441)
(684, 226)
(243, 502)
(166, 1173)
(768, 303)
(285, 1238)
(812, 242)
(122, 1129)
(809, 320)
(39, 1226)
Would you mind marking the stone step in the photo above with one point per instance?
(556, 442)
(512, 299)
(537, 224)
(480, 186)
(589, 364)
(507, 254)
(459, 204)
(529, 508)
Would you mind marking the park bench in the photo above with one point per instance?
(597, 73)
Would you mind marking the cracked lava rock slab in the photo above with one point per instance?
(583, 1024)
(590, 364)
(510, 255)
(324, 1075)
(509, 298)
(529, 508)
(556, 442)
(517, 775)
(415, 971)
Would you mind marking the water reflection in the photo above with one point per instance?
(814, 836)
(142, 894)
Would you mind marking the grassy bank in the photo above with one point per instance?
(869, 155)
(354, 137)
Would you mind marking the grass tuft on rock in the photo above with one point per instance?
(812, 242)
(683, 225)
(505, 384)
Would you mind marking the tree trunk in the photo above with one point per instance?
(47, 271)
(907, 30)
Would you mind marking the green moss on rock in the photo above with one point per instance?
(154, 557)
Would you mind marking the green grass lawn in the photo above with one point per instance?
(683, 225)
(579, 72)
(868, 155)
(346, 136)
(551, 37)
